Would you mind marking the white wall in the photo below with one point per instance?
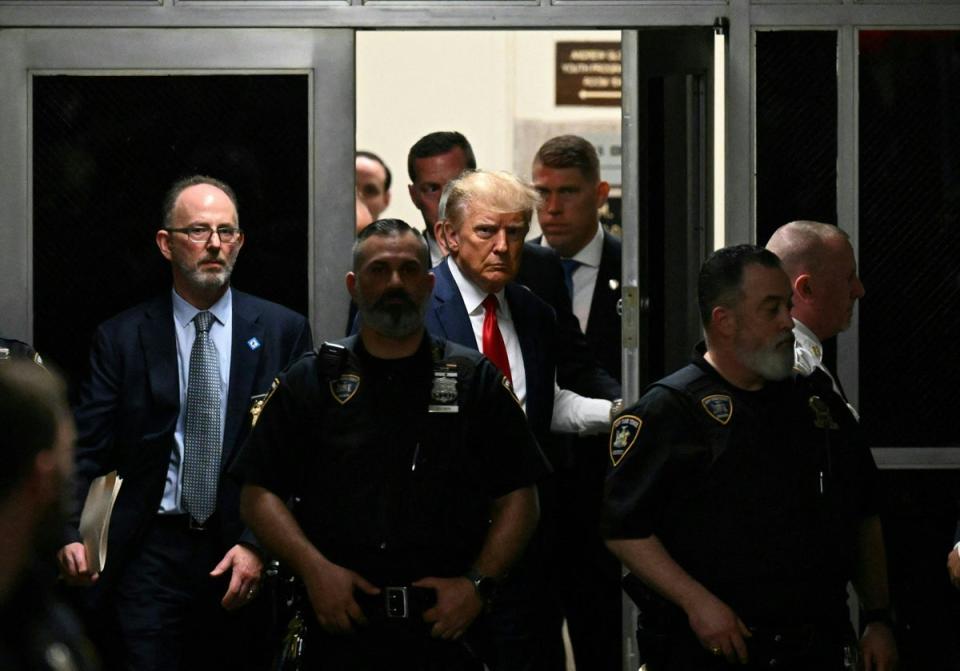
(482, 83)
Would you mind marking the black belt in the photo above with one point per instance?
(185, 521)
(396, 603)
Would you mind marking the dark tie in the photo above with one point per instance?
(569, 266)
(493, 346)
(201, 434)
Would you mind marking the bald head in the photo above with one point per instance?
(819, 260)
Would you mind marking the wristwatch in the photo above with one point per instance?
(485, 585)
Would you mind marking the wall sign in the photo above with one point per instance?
(589, 73)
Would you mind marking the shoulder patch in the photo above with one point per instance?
(718, 406)
(623, 435)
(344, 387)
(260, 401)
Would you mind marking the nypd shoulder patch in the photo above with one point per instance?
(344, 387)
(623, 435)
(718, 406)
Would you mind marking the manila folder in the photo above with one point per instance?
(95, 518)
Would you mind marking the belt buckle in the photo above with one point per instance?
(397, 604)
(193, 525)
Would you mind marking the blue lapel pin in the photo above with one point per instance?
(253, 344)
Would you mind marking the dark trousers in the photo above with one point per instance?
(585, 576)
(166, 612)
(401, 647)
(786, 649)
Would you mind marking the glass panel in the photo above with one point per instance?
(106, 148)
(796, 128)
(909, 218)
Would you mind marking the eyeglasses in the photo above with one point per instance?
(226, 234)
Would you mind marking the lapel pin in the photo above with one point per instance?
(253, 344)
(614, 285)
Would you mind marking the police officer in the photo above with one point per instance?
(16, 349)
(740, 494)
(413, 470)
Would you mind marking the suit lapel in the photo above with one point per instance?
(449, 311)
(526, 331)
(244, 364)
(604, 304)
(159, 342)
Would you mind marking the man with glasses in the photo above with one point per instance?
(166, 405)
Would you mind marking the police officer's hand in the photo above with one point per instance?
(719, 629)
(878, 647)
(953, 567)
(245, 567)
(73, 565)
(330, 588)
(458, 605)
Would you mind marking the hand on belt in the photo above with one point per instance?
(396, 602)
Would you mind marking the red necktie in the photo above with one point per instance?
(493, 347)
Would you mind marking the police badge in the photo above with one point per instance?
(443, 394)
(718, 406)
(344, 387)
(623, 434)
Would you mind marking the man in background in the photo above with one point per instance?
(373, 182)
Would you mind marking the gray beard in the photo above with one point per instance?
(207, 281)
(771, 363)
(395, 322)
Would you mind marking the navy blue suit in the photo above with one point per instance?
(525, 622)
(127, 415)
(535, 322)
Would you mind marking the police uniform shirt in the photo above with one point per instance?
(384, 486)
(730, 481)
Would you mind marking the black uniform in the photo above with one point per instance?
(38, 633)
(394, 465)
(757, 495)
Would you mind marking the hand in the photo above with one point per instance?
(953, 567)
(878, 648)
(458, 605)
(719, 629)
(73, 565)
(245, 567)
(330, 588)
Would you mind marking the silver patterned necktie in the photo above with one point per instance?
(201, 436)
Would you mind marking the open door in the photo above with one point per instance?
(669, 112)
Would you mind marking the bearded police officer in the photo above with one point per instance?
(414, 472)
(740, 494)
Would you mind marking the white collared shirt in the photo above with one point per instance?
(221, 333)
(572, 413)
(585, 276)
(808, 356)
(473, 298)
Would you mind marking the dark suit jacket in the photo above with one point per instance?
(128, 409)
(535, 322)
(580, 366)
(603, 325)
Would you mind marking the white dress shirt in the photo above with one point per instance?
(572, 413)
(808, 356)
(221, 333)
(585, 275)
